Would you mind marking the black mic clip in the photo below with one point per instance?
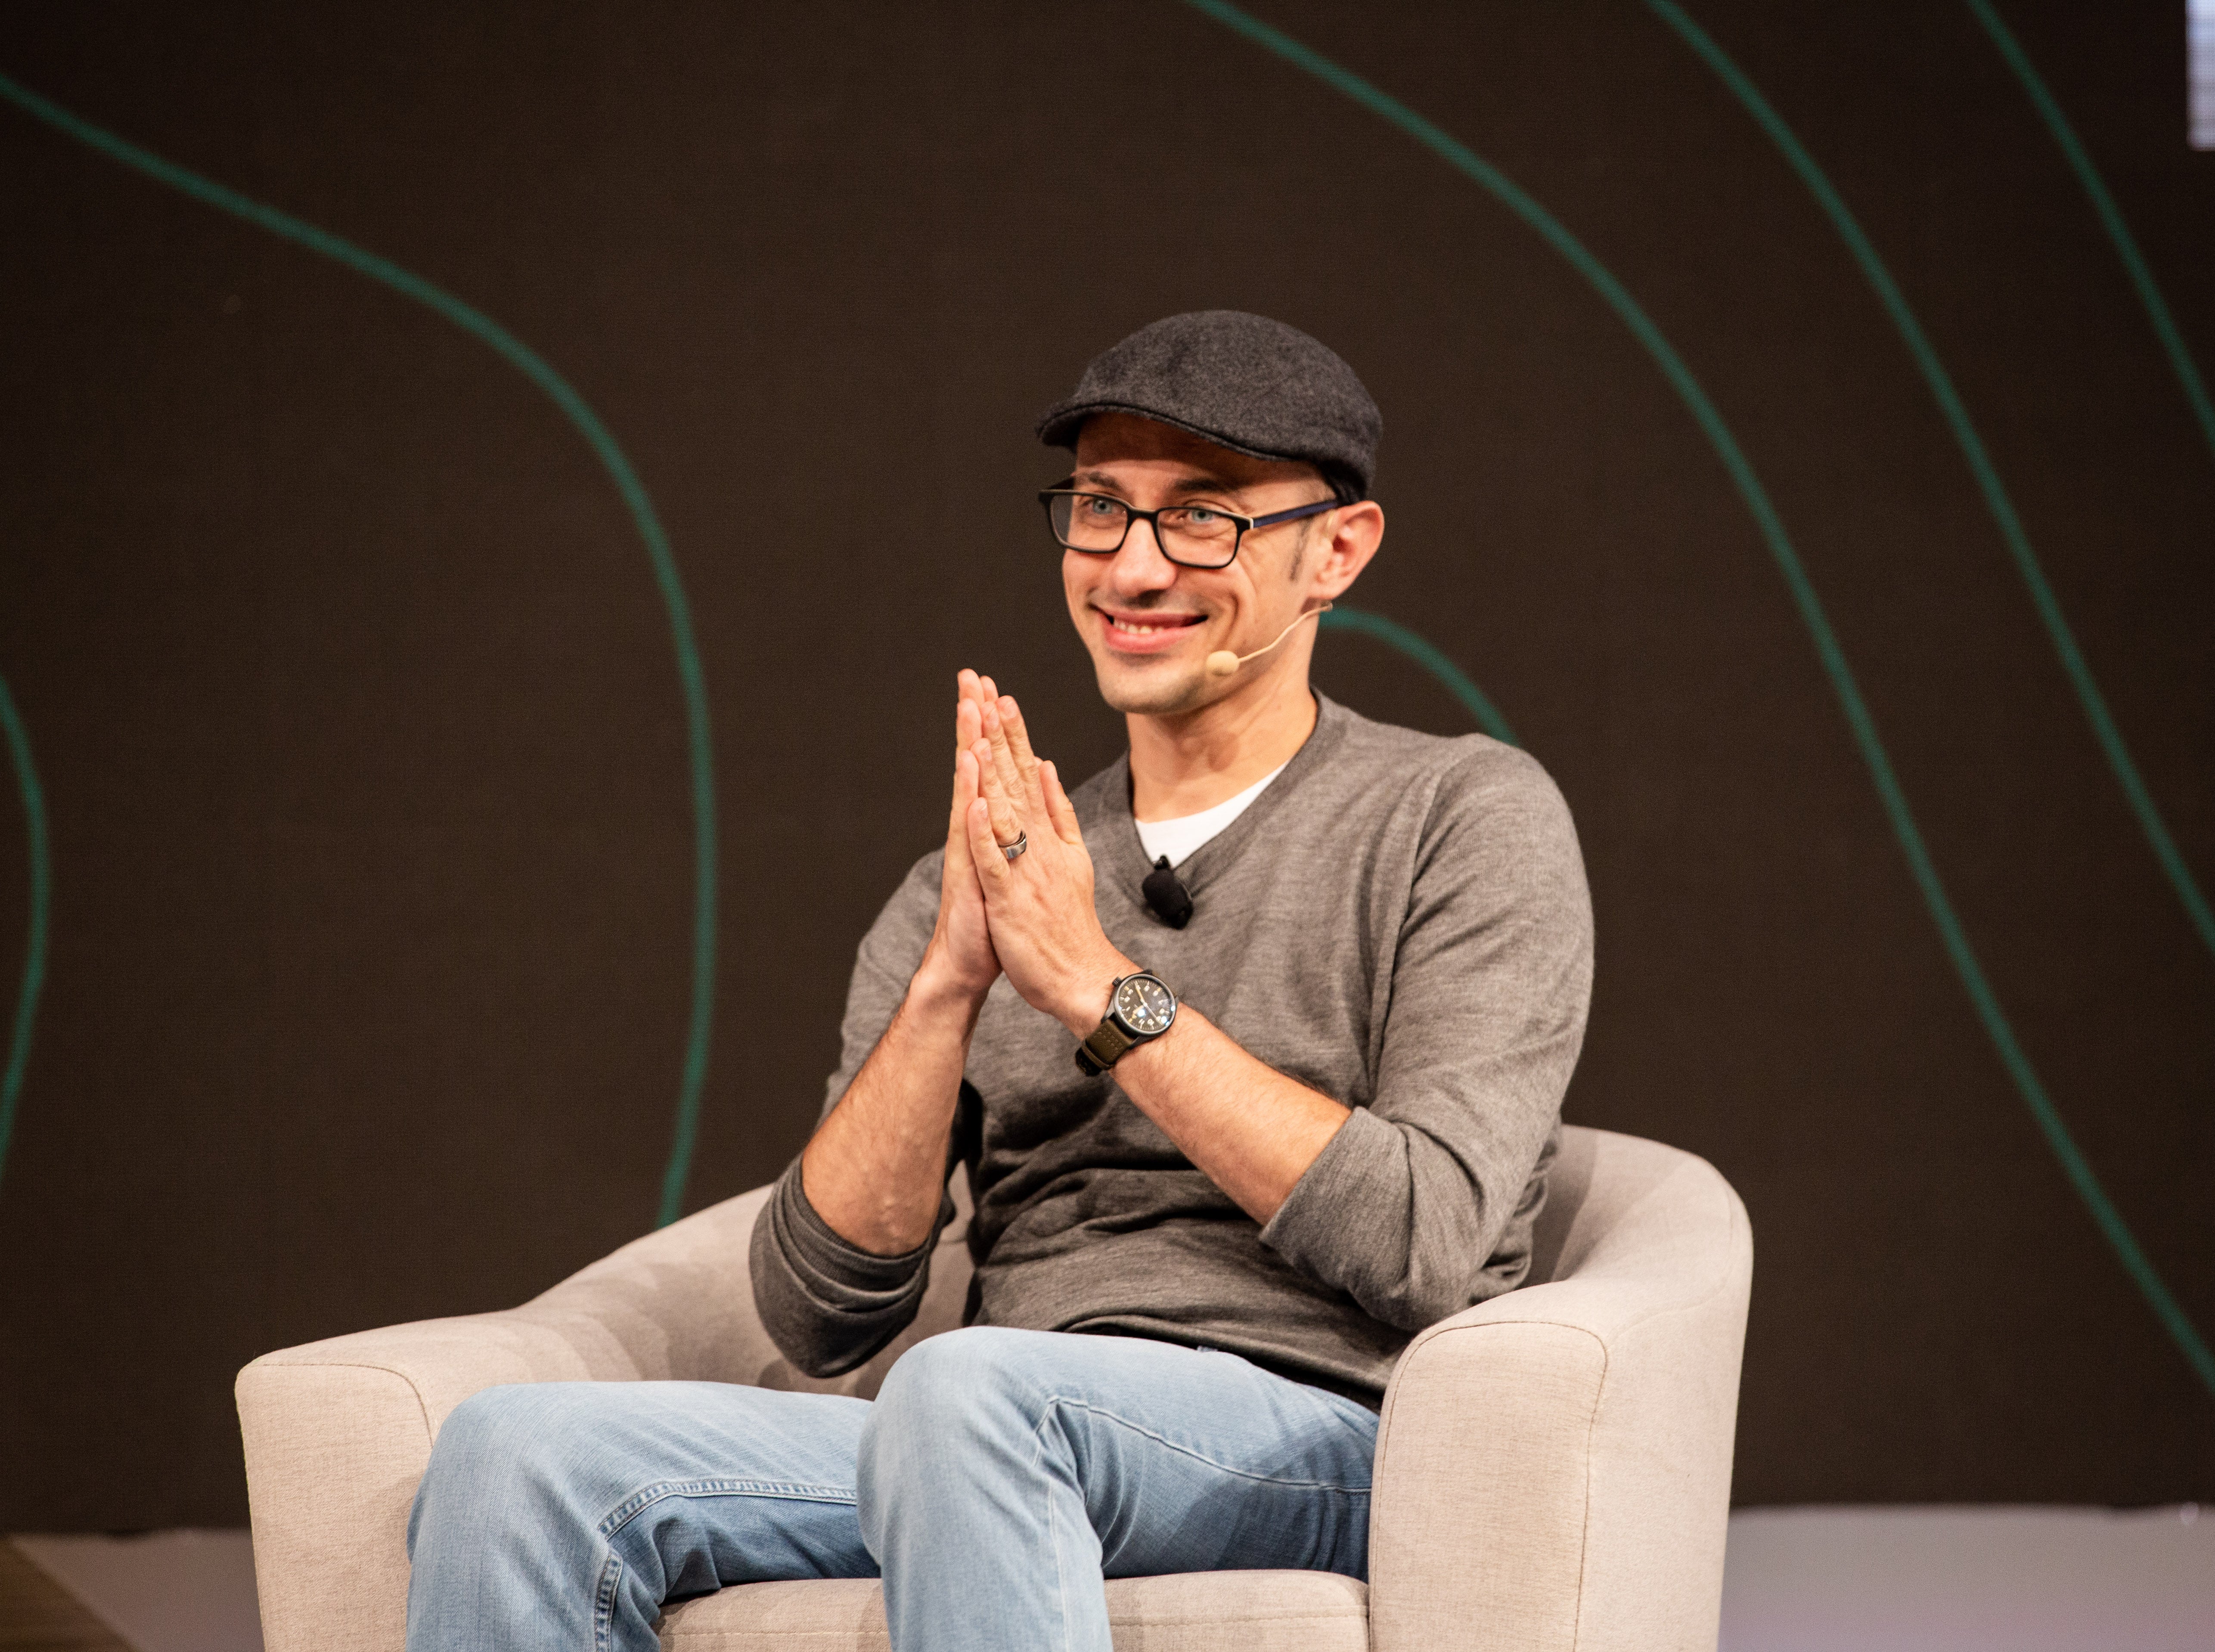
(1171, 901)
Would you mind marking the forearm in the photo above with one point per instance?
(876, 1170)
(1246, 1126)
(1250, 1129)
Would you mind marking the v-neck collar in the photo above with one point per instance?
(1125, 856)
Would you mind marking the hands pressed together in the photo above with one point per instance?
(1031, 918)
(876, 1170)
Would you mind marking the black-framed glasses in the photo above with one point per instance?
(1191, 536)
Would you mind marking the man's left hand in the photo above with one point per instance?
(1039, 905)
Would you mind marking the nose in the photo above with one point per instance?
(1139, 566)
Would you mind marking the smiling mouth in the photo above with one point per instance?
(1152, 625)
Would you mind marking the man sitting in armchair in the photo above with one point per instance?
(1253, 1045)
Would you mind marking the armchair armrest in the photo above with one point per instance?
(1553, 1470)
(338, 1433)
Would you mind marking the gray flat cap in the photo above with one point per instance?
(1243, 381)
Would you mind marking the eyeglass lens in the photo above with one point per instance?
(1093, 522)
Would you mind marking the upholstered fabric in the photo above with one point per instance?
(1252, 1611)
(1553, 1468)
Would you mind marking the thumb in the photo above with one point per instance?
(1059, 808)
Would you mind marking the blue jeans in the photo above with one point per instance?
(999, 1476)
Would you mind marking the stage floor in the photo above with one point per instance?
(1798, 1580)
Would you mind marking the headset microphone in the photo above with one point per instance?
(1222, 662)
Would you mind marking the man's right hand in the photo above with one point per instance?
(959, 959)
(876, 1170)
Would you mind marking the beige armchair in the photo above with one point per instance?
(1553, 1471)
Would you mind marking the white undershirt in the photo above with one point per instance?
(1180, 837)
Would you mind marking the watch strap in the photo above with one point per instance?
(1115, 1038)
(1107, 1045)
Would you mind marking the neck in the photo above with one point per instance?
(1192, 761)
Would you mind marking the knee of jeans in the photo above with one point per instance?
(956, 1386)
(955, 1373)
(498, 1455)
(953, 1408)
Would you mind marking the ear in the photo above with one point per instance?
(1355, 532)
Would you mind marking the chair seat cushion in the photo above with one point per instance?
(1196, 1611)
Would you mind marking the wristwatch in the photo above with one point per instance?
(1139, 1007)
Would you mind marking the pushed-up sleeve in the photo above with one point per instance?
(829, 1305)
(1423, 1204)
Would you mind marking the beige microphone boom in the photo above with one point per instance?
(1222, 662)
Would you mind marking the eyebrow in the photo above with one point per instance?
(1186, 486)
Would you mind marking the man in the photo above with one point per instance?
(1253, 1045)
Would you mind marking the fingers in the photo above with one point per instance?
(990, 725)
(1059, 809)
(967, 730)
(968, 702)
(1006, 814)
(965, 794)
(985, 848)
(968, 725)
(1019, 746)
(1013, 780)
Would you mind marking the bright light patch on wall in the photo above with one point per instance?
(2199, 54)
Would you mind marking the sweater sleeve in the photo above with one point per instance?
(1423, 1204)
(828, 1305)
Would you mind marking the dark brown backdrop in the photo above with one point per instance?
(358, 719)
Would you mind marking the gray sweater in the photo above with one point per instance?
(1400, 922)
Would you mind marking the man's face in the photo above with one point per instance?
(1150, 624)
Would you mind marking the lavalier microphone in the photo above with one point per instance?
(1222, 662)
(1166, 893)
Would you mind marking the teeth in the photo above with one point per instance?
(1129, 629)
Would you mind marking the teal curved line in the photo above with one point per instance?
(35, 952)
(534, 367)
(1859, 719)
(1427, 654)
(2111, 218)
(2079, 670)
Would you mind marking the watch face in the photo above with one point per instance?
(1144, 1005)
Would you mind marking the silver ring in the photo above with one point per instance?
(1021, 843)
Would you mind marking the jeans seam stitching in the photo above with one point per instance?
(1168, 1443)
(639, 1501)
(603, 1602)
(1053, 1526)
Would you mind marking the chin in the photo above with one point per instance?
(1159, 689)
